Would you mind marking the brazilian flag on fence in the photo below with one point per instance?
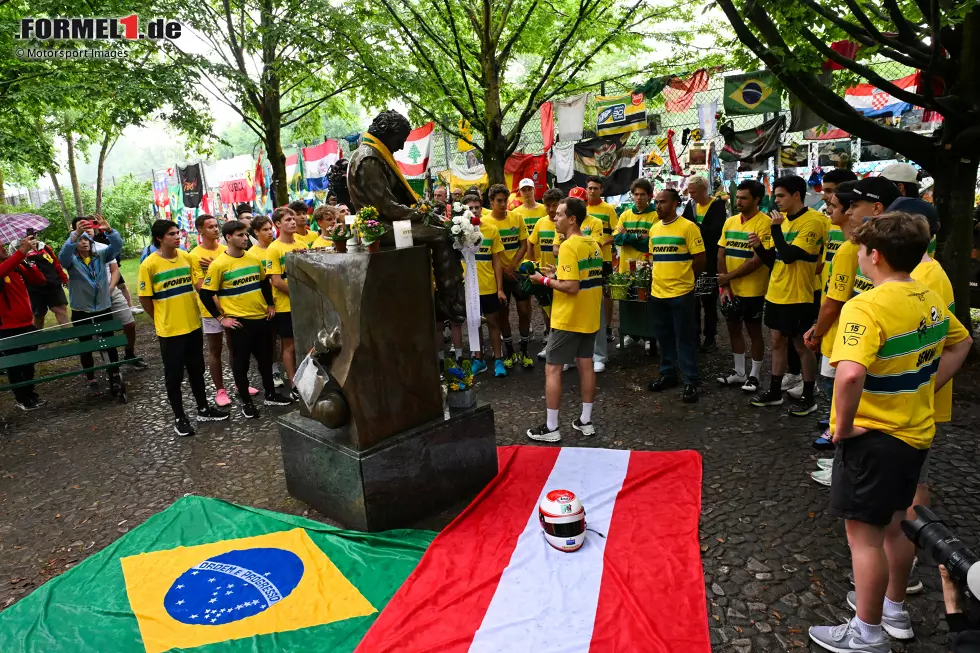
(751, 93)
(209, 576)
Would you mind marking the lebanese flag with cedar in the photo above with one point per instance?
(413, 159)
(490, 582)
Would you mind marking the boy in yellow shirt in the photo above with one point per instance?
(896, 344)
(577, 282)
(303, 232)
(540, 245)
(166, 292)
(491, 282)
(606, 213)
(326, 219)
(285, 220)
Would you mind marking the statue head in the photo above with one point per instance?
(392, 128)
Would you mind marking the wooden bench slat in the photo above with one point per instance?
(55, 377)
(58, 335)
(69, 349)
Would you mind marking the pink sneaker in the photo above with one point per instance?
(222, 399)
(251, 391)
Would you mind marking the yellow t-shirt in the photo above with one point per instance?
(735, 241)
(637, 224)
(673, 247)
(238, 282)
(607, 214)
(489, 246)
(530, 216)
(275, 258)
(933, 277)
(793, 283)
(322, 242)
(820, 278)
(591, 228)
(840, 287)
(835, 238)
(897, 331)
(512, 231)
(308, 239)
(543, 238)
(579, 258)
(197, 271)
(169, 283)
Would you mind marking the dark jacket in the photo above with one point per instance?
(711, 227)
(15, 303)
(45, 260)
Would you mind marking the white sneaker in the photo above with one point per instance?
(627, 342)
(791, 381)
(566, 367)
(825, 463)
(543, 354)
(822, 476)
(586, 428)
(598, 366)
(136, 310)
(544, 434)
(733, 378)
(646, 345)
(796, 392)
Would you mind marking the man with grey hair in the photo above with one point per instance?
(709, 213)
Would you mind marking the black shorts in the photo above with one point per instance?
(489, 304)
(44, 297)
(512, 288)
(750, 309)
(875, 476)
(607, 269)
(790, 319)
(283, 324)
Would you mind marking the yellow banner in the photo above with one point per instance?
(466, 131)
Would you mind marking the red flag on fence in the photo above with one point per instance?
(680, 92)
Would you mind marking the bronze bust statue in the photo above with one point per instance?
(373, 179)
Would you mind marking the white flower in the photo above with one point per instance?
(457, 207)
(456, 229)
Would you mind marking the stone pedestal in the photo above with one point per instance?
(396, 482)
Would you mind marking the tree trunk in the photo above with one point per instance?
(3, 197)
(73, 173)
(60, 195)
(277, 159)
(106, 141)
(953, 195)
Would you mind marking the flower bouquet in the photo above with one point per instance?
(340, 234)
(641, 281)
(370, 227)
(459, 384)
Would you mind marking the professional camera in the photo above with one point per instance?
(930, 534)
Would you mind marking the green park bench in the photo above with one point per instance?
(62, 343)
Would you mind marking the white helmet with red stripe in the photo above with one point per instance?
(562, 519)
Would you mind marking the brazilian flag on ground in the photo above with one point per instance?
(209, 576)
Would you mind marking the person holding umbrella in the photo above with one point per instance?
(16, 316)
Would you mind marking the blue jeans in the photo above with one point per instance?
(677, 333)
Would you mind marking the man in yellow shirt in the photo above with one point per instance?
(166, 293)
(513, 235)
(678, 258)
(896, 343)
(797, 240)
(237, 289)
(530, 211)
(540, 245)
(326, 219)
(285, 220)
(835, 238)
(605, 212)
(491, 283)
(742, 282)
(202, 256)
(303, 232)
(577, 282)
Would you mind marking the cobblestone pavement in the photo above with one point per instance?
(78, 474)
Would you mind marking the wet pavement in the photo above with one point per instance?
(79, 473)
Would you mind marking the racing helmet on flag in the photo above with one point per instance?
(562, 519)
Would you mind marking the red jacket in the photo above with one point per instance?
(15, 303)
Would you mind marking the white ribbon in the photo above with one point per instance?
(472, 298)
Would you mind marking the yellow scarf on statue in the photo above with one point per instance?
(375, 142)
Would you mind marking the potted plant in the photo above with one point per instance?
(370, 228)
(340, 234)
(459, 384)
(641, 282)
(619, 283)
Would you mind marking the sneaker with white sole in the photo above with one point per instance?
(627, 342)
(791, 381)
(825, 463)
(544, 434)
(822, 476)
(898, 626)
(276, 399)
(751, 385)
(846, 638)
(733, 378)
(586, 428)
(796, 391)
(210, 414)
(543, 354)
(598, 366)
(182, 426)
(566, 367)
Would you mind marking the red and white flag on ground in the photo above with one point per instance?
(490, 582)
(413, 159)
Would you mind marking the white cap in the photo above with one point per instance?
(901, 173)
(526, 183)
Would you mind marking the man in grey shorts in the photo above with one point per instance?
(577, 282)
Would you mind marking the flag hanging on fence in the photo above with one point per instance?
(294, 176)
(635, 585)
(607, 158)
(620, 114)
(872, 101)
(527, 166)
(465, 144)
(317, 161)
(571, 117)
(546, 113)
(752, 146)
(160, 196)
(413, 159)
(751, 93)
(680, 92)
(212, 576)
(191, 184)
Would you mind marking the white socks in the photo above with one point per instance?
(553, 419)
(586, 413)
(739, 364)
(893, 609)
(868, 632)
(756, 369)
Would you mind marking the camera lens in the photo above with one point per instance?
(931, 534)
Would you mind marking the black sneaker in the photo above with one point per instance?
(663, 383)
(137, 363)
(210, 414)
(751, 385)
(803, 407)
(249, 411)
(182, 426)
(609, 335)
(770, 398)
(708, 346)
(586, 428)
(690, 395)
(94, 390)
(277, 399)
(28, 404)
(544, 434)
(277, 379)
(294, 394)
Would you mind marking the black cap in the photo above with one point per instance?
(916, 206)
(872, 189)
